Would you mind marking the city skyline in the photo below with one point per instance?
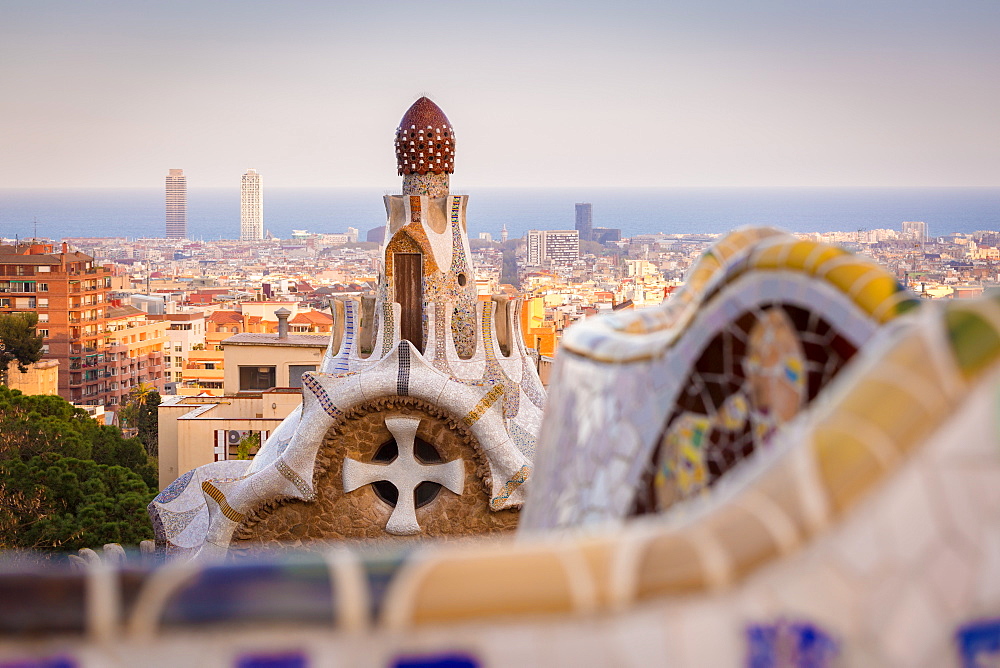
(649, 94)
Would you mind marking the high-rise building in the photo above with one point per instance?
(585, 221)
(553, 246)
(251, 207)
(176, 204)
(915, 230)
(503, 234)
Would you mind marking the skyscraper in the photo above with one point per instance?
(176, 204)
(251, 207)
(584, 221)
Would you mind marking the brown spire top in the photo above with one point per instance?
(425, 141)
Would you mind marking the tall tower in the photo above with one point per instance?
(503, 234)
(176, 204)
(585, 221)
(251, 207)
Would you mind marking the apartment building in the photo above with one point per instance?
(70, 296)
(134, 351)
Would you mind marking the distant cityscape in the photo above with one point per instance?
(117, 312)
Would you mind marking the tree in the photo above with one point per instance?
(139, 414)
(66, 481)
(248, 442)
(19, 341)
(66, 503)
(32, 425)
(509, 273)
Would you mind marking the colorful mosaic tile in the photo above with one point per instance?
(510, 486)
(531, 389)
(523, 439)
(483, 405)
(493, 372)
(979, 643)
(174, 489)
(440, 360)
(754, 374)
(309, 382)
(790, 645)
(347, 342)
(463, 326)
(220, 498)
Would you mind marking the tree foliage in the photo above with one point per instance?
(248, 442)
(66, 481)
(19, 341)
(509, 273)
(53, 501)
(139, 414)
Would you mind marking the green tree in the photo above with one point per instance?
(66, 503)
(32, 425)
(248, 442)
(19, 341)
(139, 415)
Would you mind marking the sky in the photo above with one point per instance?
(541, 93)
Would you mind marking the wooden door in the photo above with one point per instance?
(408, 271)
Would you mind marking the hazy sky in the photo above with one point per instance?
(618, 92)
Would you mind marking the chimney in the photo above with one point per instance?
(282, 314)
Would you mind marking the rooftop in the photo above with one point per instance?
(305, 340)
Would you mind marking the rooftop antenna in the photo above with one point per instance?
(36, 229)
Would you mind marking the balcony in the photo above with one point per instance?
(196, 374)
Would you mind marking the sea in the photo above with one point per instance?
(214, 213)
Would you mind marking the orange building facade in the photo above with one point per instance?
(70, 296)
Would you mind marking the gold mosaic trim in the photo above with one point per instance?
(220, 499)
(483, 405)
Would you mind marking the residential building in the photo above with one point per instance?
(200, 430)
(257, 362)
(134, 351)
(42, 377)
(251, 207)
(552, 247)
(70, 296)
(176, 205)
(915, 230)
(185, 335)
(534, 247)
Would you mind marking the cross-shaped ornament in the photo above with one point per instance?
(405, 472)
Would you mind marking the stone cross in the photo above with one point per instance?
(405, 472)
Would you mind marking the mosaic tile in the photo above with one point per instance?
(304, 488)
(174, 489)
(310, 382)
(174, 523)
(788, 644)
(979, 643)
(403, 374)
